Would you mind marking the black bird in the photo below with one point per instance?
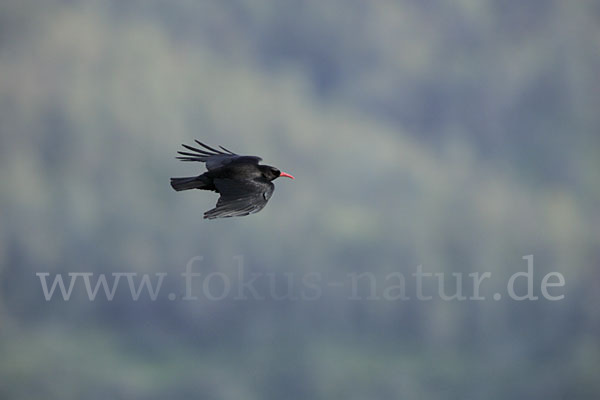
(244, 185)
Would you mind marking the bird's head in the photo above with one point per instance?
(272, 173)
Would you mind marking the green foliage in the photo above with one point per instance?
(457, 135)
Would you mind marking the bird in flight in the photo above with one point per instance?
(245, 186)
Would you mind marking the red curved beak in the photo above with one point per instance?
(284, 174)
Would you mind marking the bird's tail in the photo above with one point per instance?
(194, 182)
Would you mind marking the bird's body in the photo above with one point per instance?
(245, 185)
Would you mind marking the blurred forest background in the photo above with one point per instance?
(458, 135)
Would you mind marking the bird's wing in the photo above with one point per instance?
(239, 198)
(215, 158)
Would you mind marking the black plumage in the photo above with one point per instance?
(245, 186)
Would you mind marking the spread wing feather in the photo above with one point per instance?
(214, 158)
(240, 198)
